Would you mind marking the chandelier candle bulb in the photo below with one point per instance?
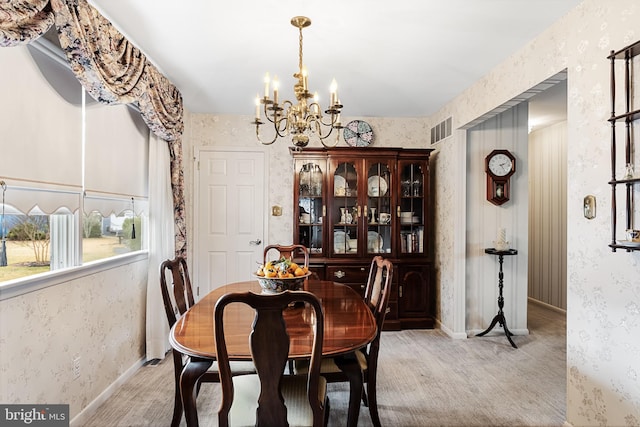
(334, 92)
(266, 85)
(257, 107)
(276, 86)
(305, 81)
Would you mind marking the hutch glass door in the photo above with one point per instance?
(378, 209)
(345, 211)
(410, 210)
(310, 185)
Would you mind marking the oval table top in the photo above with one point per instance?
(348, 323)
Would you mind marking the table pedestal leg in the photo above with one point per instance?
(193, 370)
(499, 318)
(349, 365)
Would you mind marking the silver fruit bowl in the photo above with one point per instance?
(274, 285)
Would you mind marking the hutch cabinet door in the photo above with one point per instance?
(344, 210)
(378, 208)
(412, 207)
(310, 187)
(416, 297)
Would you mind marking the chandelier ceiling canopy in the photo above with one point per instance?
(303, 117)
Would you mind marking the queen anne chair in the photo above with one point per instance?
(286, 251)
(269, 398)
(376, 296)
(176, 303)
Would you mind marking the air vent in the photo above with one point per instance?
(441, 131)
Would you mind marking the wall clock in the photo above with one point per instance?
(358, 133)
(499, 166)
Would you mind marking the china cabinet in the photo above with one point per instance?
(353, 204)
(630, 180)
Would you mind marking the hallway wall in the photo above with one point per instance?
(548, 215)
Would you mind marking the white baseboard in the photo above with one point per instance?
(548, 306)
(92, 407)
(450, 333)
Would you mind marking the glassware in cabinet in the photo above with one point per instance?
(378, 211)
(411, 213)
(344, 213)
(310, 188)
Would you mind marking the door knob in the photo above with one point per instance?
(255, 242)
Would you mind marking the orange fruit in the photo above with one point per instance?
(271, 273)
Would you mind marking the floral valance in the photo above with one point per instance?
(110, 68)
(23, 21)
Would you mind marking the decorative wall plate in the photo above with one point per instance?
(358, 133)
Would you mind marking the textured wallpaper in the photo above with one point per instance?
(99, 318)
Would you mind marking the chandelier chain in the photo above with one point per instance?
(300, 49)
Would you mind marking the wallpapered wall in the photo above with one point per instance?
(603, 295)
(99, 318)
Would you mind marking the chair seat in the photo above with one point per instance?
(328, 365)
(294, 391)
(237, 367)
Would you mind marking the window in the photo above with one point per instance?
(75, 171)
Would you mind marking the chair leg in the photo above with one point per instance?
(327, 409)
(177, 411)
(373, 401)
(177, 404)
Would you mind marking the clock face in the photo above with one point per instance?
(500, 164)
(358, 133)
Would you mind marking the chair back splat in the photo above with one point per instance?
(271, 398)
(181, 286)
(289, 252)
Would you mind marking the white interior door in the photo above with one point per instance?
(230, 217)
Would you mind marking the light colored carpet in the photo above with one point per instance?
(424, 379)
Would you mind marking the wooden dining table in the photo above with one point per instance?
(348, 325)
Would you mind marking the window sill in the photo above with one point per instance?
(24, 285)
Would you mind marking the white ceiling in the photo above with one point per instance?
(402, 58)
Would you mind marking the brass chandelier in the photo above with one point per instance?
(303, 119)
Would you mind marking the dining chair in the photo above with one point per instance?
(269, 398)
(177, 296)
(286, 251)
(376, 296)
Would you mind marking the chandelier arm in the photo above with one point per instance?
(337, 140)
(333, 123)
(285, 129)
(260, 139)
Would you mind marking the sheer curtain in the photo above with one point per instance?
(161, 244)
